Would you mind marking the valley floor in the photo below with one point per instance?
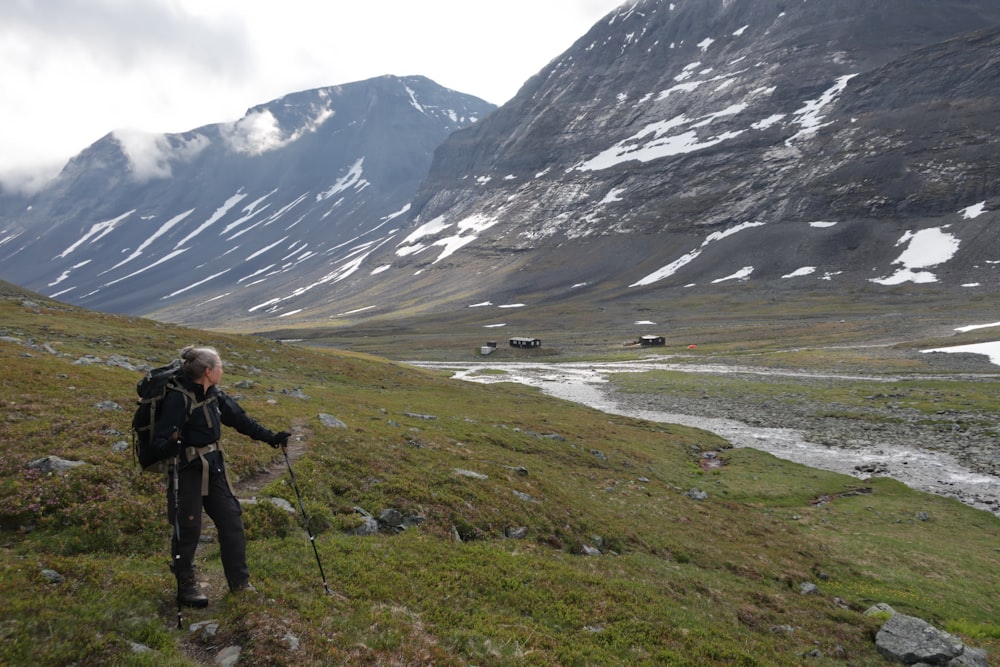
(953, 463)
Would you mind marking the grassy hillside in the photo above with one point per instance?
(677, 580)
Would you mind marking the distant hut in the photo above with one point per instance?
(525, 342)
(652, 340)
(489, 348)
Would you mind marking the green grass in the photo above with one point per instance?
(680, 582)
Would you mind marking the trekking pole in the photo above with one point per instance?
(312, 540)
(177, 540)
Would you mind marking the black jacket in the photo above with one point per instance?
(204, 425)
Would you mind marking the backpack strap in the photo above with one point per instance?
(192, 453)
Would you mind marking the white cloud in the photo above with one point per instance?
(75, 70)
(255, 133)
(150, 154)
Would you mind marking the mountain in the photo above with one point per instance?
(781, 145)
(689, 145)
(290, 197)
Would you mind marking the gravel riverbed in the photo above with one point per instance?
(960, 463)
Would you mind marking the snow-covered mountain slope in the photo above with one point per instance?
(678, 145)
(697, 143)
(291, 197)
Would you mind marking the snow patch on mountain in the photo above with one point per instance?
(215, 217)
(352, 179)
(469, 229)
(277, 215)
(925, 249)
(164, 228)
(803, 271)
(195, 284)
(96, 232)
(662, 139)
(655, 141)
(974, 211)
(809, 117)
(250, 211)
(741, 275)
(677, 264)
(65, 274)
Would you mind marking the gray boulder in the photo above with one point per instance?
(911, 640)
(331, 421)
(49, 464)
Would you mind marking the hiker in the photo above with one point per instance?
(190, 421)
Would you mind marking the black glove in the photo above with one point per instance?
(279, 439)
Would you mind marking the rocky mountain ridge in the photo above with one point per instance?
(695, 144)
(290, 195)
(683, 145)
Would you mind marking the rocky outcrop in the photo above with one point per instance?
(913, 641)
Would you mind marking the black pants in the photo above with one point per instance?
(223, 508)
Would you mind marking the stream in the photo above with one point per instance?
(587, 383)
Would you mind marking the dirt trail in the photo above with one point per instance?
(248, 486)
(214, 586)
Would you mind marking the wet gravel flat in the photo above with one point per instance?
(960, 464)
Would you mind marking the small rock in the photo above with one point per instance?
(295, 393)
(53, 577)
(414, 415)
(229, 656)
(808, 588)
(331, 421)
(470, 473)
(87, 360)
(369, 524)
(524, 496)
(697, 494)
(392, 518)
(107, 405)
(50, 464)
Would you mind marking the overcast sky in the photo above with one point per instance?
(74, 70)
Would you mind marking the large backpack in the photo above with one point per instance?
(152, 389)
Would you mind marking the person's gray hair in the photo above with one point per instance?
(197, 360)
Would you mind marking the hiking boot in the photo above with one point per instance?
(243, 588)
(189, 594)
